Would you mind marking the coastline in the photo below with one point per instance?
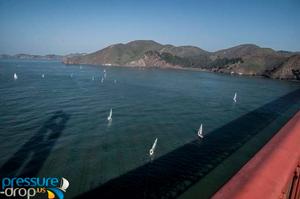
(158, 67)
(187, 69)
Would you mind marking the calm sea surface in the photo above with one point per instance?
(57, 125)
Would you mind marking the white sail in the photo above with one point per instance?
(200, 133)
(102, 80)
(15, 76)
(110, 115)
(93, 78)
(151, 151)
(235, 97)
(104, 74)
(43, 75)
(64, 184)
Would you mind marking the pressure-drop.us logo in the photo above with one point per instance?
(28, 188)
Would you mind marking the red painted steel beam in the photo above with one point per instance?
(297, 190)
(268, 174)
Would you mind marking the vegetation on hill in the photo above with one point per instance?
(247, 59)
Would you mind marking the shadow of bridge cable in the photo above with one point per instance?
(170, 175)
(29, 159)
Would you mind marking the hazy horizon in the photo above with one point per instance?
(43, 54)
(63, 27)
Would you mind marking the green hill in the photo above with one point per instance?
(246, 59)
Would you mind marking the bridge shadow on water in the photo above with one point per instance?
(29, 159)
(172, 174)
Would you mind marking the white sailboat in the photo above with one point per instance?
(200, 133)
(93, 78)
(102, 80)
(43, 75)
(109, 118)
(64, 184)
(15, 76)
(152, 150)
(235, 97)
(104, 73)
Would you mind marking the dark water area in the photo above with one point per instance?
(57, 125)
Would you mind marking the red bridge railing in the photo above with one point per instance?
(273, 172)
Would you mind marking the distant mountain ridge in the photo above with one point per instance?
(245, 59)
(40, 57)
(28, 56)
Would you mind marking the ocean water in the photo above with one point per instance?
(57, 126)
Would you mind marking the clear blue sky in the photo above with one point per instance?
(66, 26)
